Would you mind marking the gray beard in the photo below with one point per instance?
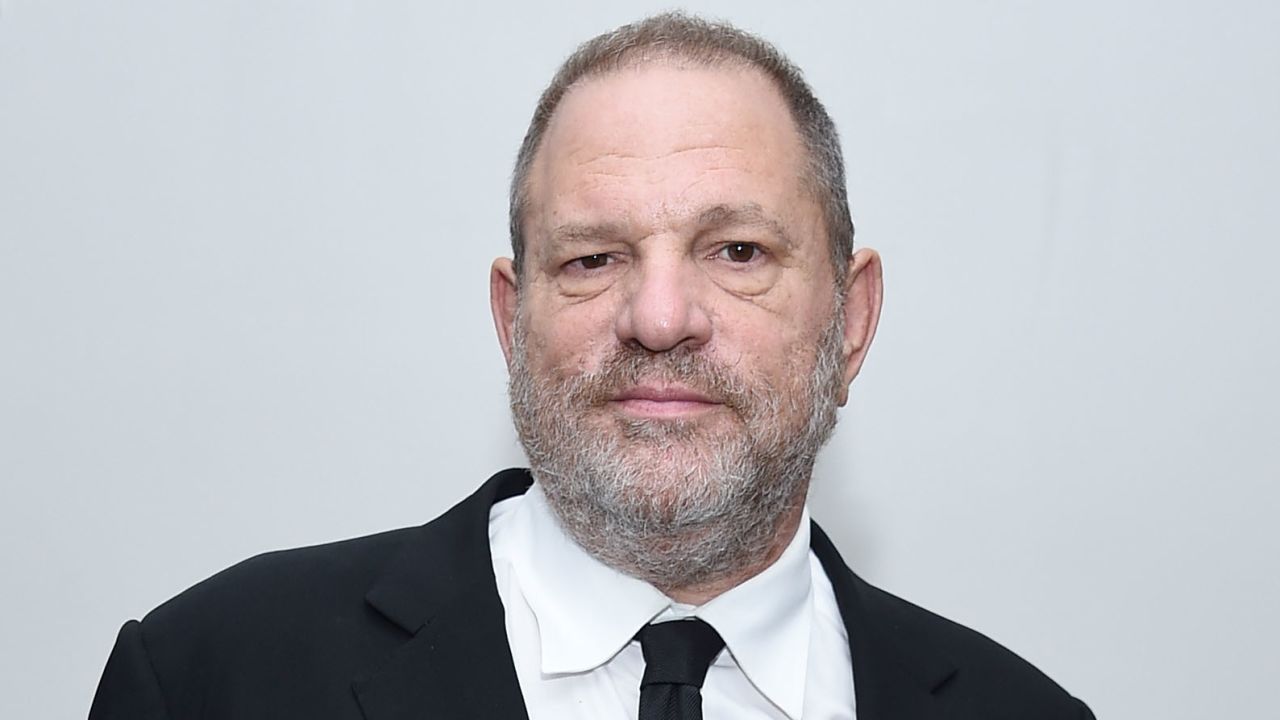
(668, 501)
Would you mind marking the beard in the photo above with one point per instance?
(679, 502)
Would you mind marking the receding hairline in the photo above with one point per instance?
(683, 40)
(674, 62)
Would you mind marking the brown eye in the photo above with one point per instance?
(593, 262)
(740, 252)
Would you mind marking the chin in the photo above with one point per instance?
(702, 429)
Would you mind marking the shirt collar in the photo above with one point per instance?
(765, 621)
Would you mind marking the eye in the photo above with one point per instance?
(593, 262)
(740, 252)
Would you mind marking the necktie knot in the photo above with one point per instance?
(678, 652)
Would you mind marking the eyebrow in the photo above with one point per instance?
(721, 216)
(711, 218)
(576, 233)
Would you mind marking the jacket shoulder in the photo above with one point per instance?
(284, 583)
(970, 672)
(289, 628)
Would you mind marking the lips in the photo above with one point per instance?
(663, 401)
(668, 393)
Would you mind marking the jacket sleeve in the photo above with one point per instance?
(129, 689)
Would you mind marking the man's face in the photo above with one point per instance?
(677, 291)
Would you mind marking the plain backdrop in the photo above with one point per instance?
(244, 249)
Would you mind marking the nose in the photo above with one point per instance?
(663, 308)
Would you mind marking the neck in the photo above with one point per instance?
(702, 593)
(691, 562)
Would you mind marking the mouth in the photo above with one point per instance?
(663, 401)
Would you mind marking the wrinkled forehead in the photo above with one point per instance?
(666, 136)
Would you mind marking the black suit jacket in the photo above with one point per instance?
(407, 625)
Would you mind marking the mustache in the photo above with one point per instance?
(627, 366)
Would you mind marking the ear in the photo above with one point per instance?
(503, 296)
(864, 293)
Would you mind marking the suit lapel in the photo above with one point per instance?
(457, 663)
(441, 590)
(895, 673)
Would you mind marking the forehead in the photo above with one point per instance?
(667, 139)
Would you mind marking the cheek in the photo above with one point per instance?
(762, 326)
(762, 349)
(570, 342)
(776, 346)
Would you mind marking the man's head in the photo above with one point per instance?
(680, 320)
(688, 41)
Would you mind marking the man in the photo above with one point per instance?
(682, 316)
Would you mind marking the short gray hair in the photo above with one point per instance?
(678, 36)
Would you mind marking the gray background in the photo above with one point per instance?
(243, 306)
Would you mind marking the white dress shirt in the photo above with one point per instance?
(571, 622)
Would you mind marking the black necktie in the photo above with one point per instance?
(677, 655)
